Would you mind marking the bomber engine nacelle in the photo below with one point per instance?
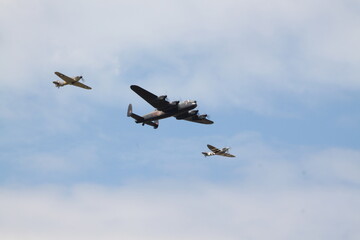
(193, 112)
(162, 98)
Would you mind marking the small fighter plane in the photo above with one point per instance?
(164, 109)
(70, 81)
(215, 151)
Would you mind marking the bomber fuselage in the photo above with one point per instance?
(178, 109)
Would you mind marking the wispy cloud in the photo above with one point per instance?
(248, 54)
(177, 211)
(342, 165)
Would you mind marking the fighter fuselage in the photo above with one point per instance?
(63, 83)
(223, 150)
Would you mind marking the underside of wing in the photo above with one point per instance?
(214, 149)
(157, 102)
(190, 116)
(203, 121)
(78, 84)
(67, 79)
(225, 154)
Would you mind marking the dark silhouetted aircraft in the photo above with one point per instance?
(164, 109)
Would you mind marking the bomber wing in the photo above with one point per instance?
(79, 84)
(67, 79)
(199, 120)
(194, 117)
(158, 103)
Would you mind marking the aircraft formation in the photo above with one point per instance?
(184, 110)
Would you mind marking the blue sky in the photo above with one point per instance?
(280, 80)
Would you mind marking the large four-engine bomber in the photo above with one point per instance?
(164, 109)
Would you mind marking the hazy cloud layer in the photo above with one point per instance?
(250, 54)
(269, 193)
(176, 211)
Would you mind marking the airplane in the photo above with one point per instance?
(215, 151)
(164, 109)
(69, 81)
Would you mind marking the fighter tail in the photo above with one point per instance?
(57, 84)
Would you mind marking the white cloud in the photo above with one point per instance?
(273, 192)
(245, 53)
(177, 211)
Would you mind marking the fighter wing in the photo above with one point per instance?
(157, 102)
(225, 154)
(78, 84)
(214, 149)
(67, 79)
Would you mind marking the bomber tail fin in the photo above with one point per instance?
(129, 111)
(205, 154)
(133, 115)
(140, 119)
